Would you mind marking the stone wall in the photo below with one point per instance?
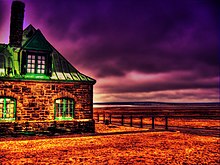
(35, 100)
(46, 127)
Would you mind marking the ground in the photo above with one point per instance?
(112, 146)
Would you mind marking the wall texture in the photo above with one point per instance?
(35, 104)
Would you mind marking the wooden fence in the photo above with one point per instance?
(136, 120)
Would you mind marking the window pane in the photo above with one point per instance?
(10, 111)
(64, 108)
(7, 107)
(58, 113)
(36, 64)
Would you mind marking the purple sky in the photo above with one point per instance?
(137, 50)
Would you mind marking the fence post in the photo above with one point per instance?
(166, 122)
(110, 119)
(141, 124)
(122, 119)
(103, 117)
(153, 122)
(131, 121)
(98, 117)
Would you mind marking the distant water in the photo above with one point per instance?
(132, 104)
(143, 104)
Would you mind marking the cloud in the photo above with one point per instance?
(132, 46)
(141, 82)
(176, 43)
(147, 41)
(187, 95)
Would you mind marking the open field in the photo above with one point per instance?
(161, 110)
(133, 148)
(115, 144)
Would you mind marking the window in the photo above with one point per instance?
(36, 64)
(64, 108)
(7, 108)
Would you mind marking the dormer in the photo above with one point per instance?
(36, 57)
(30, 56)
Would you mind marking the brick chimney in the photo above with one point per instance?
(16, 25)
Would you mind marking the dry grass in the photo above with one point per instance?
(101, 128)
(136, 148)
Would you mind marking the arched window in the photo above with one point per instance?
(64, 109)
(7, 108)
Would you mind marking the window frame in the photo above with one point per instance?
(36, 62)
(4, 110)
(24, 63)
(63, 107)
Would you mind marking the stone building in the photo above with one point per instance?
(40, 91)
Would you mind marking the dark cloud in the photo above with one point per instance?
(133, 37)
(63, 16)
(116, 37)
(174, 82)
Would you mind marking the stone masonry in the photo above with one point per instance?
(35, 104)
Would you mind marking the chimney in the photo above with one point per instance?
(16, 25)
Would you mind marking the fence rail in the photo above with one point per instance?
(138, 120)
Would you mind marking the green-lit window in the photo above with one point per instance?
(7, 108)
(36, 64)
(64, 108)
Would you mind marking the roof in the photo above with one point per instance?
(34, 40)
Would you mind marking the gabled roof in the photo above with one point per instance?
(62, 70)
(28, 33)
(33, 39)
(37, 42)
